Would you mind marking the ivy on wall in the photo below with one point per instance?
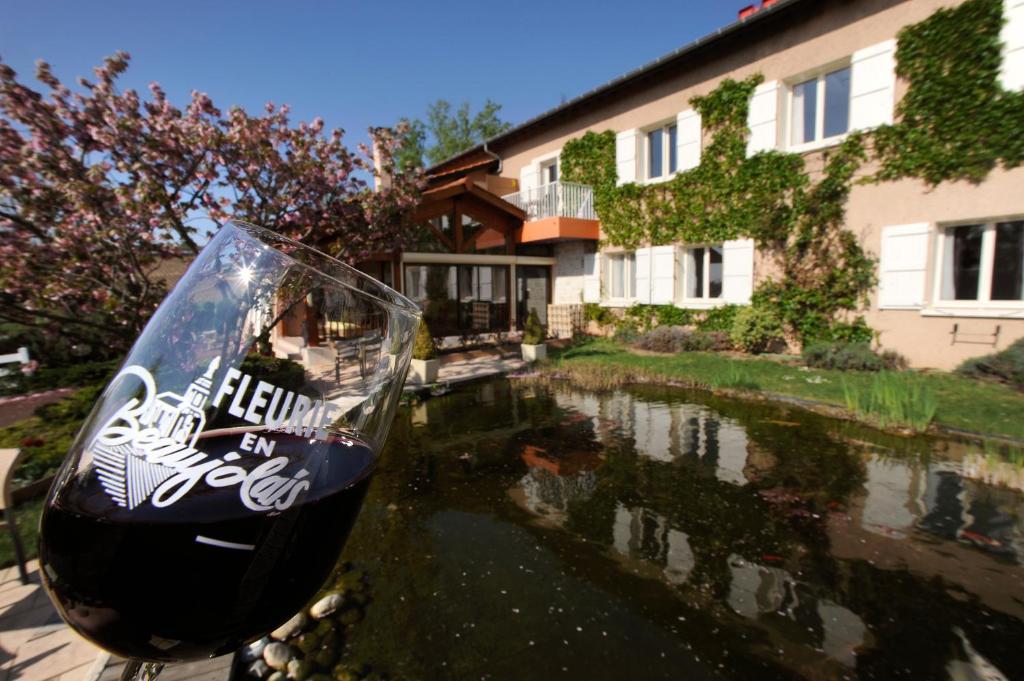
(768, 197)
(955, 122)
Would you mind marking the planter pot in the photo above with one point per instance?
(424, 370)
(533, 353)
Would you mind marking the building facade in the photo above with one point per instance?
(509, 236)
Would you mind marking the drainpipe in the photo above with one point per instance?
(494, 156)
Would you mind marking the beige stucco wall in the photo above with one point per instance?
(822, 38)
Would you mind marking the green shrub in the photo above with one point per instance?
(283, 373)
(533, 332)
(641, 315)
(678, 339)
(851, 357)
(625, 332)
(756, 329)
(893, 399)
(423, 347)
(1006, 366)
(719, 318)
(670, 315)
(856, 331)
(593, 312)
(49, 378)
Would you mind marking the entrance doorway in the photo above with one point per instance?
(533, 292)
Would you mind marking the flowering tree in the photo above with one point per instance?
(98, 187)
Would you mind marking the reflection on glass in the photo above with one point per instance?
(460, 298)
(805, 107)
(654, 153)
(715, 274)
(837, 102)
(695, 273)
(673, 153)
(1008, 267)
(961, 262)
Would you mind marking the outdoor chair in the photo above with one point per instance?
(8, 461)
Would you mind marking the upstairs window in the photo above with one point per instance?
(982, 262)
(662, 156)
(820, 107)
(549, 171)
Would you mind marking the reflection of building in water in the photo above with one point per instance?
(553, 482)
(761, 592)
(644, 535)
(668, 432)
(182, 417)
(905, 495)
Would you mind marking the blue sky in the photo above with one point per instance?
(358, 64)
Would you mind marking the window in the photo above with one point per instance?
(982, 262)
(662, 157)
(549, 171)
(820, 107)
(621, 275)
(702, 272)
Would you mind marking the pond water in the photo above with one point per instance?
(526, 532)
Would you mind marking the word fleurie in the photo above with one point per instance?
(147, 449)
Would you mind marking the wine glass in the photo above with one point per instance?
(209, 493)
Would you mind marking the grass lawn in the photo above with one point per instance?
(26, 515)
(963, 403)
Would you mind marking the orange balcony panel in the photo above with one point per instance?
(551, 229)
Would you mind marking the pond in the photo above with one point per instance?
(528, 532)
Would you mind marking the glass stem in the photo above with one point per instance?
(140, 670)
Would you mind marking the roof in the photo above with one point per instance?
(465, 185)
(465, 163)
(667, 62)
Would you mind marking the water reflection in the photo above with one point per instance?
(650, 531)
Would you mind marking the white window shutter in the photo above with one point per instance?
(1011, 75)
(688, 139)
(626, 155)
(528, 177)
(591, 278)
(738, 271)
(873, 86)
(663, 275)
(763, 118)
(643, 275)
(902, 265)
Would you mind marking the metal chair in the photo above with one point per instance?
(9, 459)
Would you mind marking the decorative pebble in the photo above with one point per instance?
(253, 651)
(290, 628)
(325, 606)
(298, 670)
(277, 676)
(259, 669)
(277, 654)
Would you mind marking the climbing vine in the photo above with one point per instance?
(768, 197)
(955, 121)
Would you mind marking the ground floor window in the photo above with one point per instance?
(621, 281)
(460, 299)
(702, 272)
(982, 262)
(533, 292)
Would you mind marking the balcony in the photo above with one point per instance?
(556, 211)
(555, 200)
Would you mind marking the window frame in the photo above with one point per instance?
(667, 151)
(706, 300)
(544, 165)
(986, 269)
(628, 273)
(818, 74)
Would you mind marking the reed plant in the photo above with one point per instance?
(892, 399)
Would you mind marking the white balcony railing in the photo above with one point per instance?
(555, 200)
